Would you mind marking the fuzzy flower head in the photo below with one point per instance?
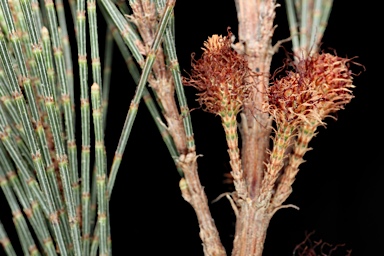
(332, 79)
(288, 98)
(316, 87)
(220, 77)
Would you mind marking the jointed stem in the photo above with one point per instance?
(102, 200)
(54, 123)
(66, 49)
(4, 240)
(29, 179)
(96, 69)
(67, 105)
(139, 91)
(281, 142)
(19, 218)
(85, 124)
(293, 26)
(305, 134)
(21, 104)
(230, 127)
(108, 54)
(175, 70)
(127, 32)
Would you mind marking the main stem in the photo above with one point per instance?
(255, 33)
(251, 230)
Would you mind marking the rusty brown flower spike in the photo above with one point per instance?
(319, 86)
(220, 76)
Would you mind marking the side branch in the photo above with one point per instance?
(193, 193)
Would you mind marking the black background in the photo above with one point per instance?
(338, 190)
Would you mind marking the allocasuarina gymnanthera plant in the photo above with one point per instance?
(60, 203)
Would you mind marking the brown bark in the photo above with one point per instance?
(193, 193)
(255, 33)
(251, 230)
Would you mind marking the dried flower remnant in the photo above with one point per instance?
(308, 247)
(220, 76)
